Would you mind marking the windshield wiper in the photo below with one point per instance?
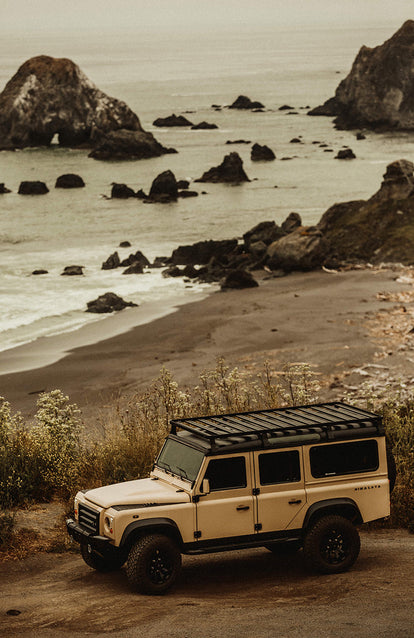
(184, 472)
(165, 466)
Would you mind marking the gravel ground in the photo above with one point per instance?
(250, 593)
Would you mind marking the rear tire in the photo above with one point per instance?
(331, 545)
(153, 564)
(108, 562)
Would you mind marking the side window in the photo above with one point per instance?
(226, 474)
(344, 458)
(279, 467)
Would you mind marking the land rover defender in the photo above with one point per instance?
(283, 479)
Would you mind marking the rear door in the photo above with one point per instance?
(280, 485)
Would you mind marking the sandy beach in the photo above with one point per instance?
(339, 323)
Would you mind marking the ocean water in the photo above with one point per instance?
(158, 74)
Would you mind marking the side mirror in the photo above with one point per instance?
(206, 486)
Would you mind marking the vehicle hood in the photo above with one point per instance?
(141, 492)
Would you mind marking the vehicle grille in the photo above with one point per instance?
(89, 519)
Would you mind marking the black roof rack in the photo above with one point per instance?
(328, 420)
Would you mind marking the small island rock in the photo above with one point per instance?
(164, 188)
(230, 171)
(73, 270)
(69, 180)
(245, 103)
(109, 302)
(262, 153)
(172, 120)
(33, 188)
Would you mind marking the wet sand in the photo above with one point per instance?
(318, 318)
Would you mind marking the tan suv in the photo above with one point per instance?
(285, 479)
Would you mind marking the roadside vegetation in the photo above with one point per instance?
(54, 456)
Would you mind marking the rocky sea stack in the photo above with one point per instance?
(50, 97)
(378, 93)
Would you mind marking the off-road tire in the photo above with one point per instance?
(109, 562)
(331, 545)
(153, 564)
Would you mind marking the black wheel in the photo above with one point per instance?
(284, 549)
(153, 564)
(331, 545)
(108, 562)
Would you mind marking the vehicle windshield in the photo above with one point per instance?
(180, 460)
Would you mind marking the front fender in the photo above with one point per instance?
(151, 525)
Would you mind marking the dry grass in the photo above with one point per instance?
(55, 458)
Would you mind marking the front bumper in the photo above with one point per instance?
(83, 537)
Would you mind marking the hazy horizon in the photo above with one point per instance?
(145, 16)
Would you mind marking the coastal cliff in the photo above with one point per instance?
(378, 93)
(50, 97)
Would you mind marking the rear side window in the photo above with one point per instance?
(279, 467)
(226, 474)
(344, 458)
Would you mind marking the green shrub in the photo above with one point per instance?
(56, 457)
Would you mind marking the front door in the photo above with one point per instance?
(228, 509)
(279, 477)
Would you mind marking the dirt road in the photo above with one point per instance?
(245, 594)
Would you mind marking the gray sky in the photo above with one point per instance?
(45, 15)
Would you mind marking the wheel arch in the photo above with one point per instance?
(165, 526)
(345, 507)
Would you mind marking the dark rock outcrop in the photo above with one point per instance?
(112, 262)
(4, 189)
(261, 153)
(69, 180)
(345, 154)
(186, 193)
(238, 279)
(164, 188)
(172, 120)
(380, 229)
(51, 96)
(128, 145)
(238, 142)
(40, 271)
(266, 232)
(303, 249)
(125, 244)
(183, 184)
(109, 302)
(203, 251)
(134, 269)
(203, 126)
(121, 191)
(229, 171)
(378, 92)
(33, 188)
(245, 103)
(136, 258)
(73, 270)
(292, 221)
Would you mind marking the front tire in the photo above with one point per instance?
(153, 564)
(331, 545)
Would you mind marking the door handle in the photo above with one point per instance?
(242, 508)
(295, 502)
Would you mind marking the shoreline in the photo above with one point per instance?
(47, 350)
(318, 318)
